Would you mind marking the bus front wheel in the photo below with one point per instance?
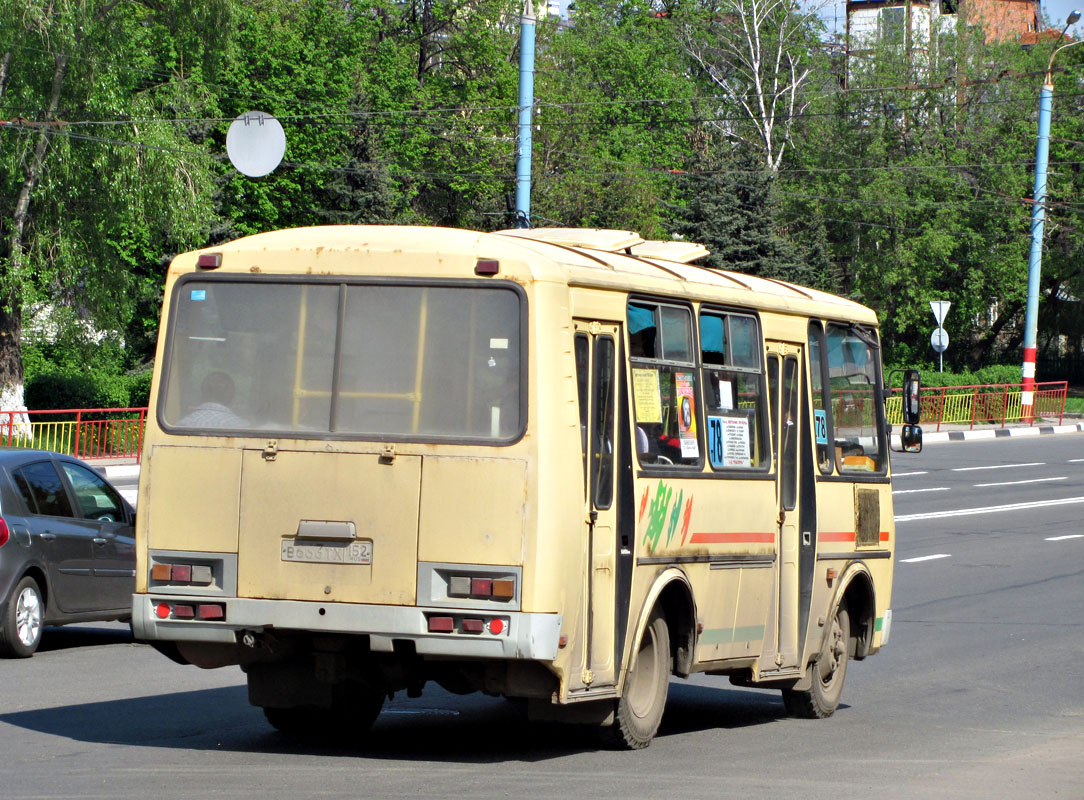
(639, 710)
(828, 673)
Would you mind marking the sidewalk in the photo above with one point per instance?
(115, 468)
(965, 433)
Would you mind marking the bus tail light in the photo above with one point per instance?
(211, 611)
(203, 611)
(209, 261)
(439, 623)
(481, 587)
(197, 574)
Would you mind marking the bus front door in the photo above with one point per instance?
(596, 374)
(784, 384)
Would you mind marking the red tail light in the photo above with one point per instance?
(5, 534)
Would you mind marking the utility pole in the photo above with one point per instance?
(526, 112)
(1038, 219)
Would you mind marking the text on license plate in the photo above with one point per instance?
(328, 552)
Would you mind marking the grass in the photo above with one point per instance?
(1074, 402)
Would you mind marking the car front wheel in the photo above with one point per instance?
(24, 613)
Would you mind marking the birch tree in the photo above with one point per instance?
(755, 56)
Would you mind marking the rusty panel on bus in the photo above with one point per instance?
(340, 527)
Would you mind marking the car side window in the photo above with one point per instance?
(42, 489)
(96, 498)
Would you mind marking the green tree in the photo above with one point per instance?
(87, 207)
(613, 118)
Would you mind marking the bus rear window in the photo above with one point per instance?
(385, 361)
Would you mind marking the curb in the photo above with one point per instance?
(116, 471)
(997, 433)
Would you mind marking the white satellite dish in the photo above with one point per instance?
(255, 143)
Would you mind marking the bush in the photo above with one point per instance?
(993, 374)
(54, 389)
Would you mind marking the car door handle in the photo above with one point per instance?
(48, 536)
(100, 540)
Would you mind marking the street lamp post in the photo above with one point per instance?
(1038, 220)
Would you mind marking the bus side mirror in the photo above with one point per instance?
(912, 409)
(911, 439)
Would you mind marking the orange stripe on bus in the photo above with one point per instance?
(844, 536)
(730, 538)
(836, 536)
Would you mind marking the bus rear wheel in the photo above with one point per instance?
(353, 713)
(639, 710)
(828, 672)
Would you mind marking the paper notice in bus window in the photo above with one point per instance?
(645, 387)
(728, 442)
(686, 399)
(726, 395)
(498, 344)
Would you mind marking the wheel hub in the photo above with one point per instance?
(28, 617)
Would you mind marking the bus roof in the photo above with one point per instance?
(619, 260)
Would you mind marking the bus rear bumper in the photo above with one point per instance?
(440, 632)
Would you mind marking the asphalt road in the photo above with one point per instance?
(978, 694)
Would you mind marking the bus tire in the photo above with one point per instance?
(353, 713)
(828, 674)
(24, 615)
(639, 710)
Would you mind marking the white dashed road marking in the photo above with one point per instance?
(1061, 538)
(1017, 483)
(965, 512)
(1000, 466)
(924, 558)
(916, 491)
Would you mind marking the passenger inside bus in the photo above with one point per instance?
(217, 394)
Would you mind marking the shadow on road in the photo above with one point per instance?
(435, 727)
(68, 637)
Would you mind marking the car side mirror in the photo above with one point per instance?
(912, 406)
(911, 439)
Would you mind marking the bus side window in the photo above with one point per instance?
(664, 383)
(822, 418)
(856, 403)
(582, 379)
(735, 406)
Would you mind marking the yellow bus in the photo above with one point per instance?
(553, 464)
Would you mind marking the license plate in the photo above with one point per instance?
(328, 552)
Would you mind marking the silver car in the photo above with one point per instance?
(67, 547)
